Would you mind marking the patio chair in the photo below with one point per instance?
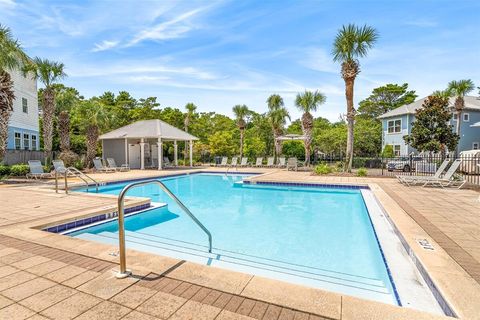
(36, 170)
(259, 162)
(234, 162)
(98, 166)
(112, 164)
(59, 166)
(244, 162)
(408, 180)
(224, 162)
(448, 179)
(270, 161)
(167, 163)
(281, 162)
(292, 164)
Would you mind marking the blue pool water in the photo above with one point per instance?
(321, 237)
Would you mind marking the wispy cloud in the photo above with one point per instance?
(105, 45)
(320, 60)
(7, 4)
(421, 23)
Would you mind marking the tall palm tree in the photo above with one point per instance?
(351, 43)
(460, 89)
(241, 112)
(445, 94)
(49, 72)
(12, 58)
(190, 107)
(277, 115)
(307, 102)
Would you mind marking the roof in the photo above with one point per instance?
(471, 103)
(476, 125)
(148, 129)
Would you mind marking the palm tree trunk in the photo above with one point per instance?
(6, 107)
(242, 131)
(307, 143)
(349, 82)
(92, 138)
(48, 112)
(278, 146)
(458, 126)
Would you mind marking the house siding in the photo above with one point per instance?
(25, 90)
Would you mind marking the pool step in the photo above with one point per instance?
(244, 263)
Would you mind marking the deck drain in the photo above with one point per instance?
(425, 244)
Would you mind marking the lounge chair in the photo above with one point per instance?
(59, 166)
(244, 162)
(292, 164)
(234, 162)
(224, 162)
(409, 180)
(281, 162)
(447, 180)
(259, 162)
(36, 170)
(98, 166)
(270, 161)
(112, 164)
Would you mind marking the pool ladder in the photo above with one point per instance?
(121, 220)
(76, 173)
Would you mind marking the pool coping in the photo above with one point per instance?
(270, 289)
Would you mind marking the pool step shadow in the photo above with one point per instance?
(290, 272)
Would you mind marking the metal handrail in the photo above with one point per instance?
(121, 221)
(76, 173)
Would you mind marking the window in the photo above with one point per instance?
(395, 126)
(455, 116)
(18, 140)
(25, 105)
(34, 142)
(26, 141)
(397, 150)
(475, 145)
(466, 117)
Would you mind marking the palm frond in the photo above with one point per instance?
(352, 42)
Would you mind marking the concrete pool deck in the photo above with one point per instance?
(60, 277)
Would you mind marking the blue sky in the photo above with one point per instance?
(221, 53)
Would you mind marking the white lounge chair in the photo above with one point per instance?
(281, 162)
(270, 161)
(36, 170)
(244, 162)
(59, 166)
(408, 180)
(224, 162)
(259, 162)
(292, 164)
(448, 179)
(98, 166)
(112, 164)
(234, 162)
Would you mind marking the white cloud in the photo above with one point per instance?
(105, 45)
(422, 23)
(320, 60)
(7, 4)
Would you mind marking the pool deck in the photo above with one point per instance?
(45, 275)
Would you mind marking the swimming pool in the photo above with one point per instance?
(321, 237)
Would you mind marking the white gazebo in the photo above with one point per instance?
(140, 144)
(291, 137)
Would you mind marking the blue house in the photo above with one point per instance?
(23, 129)
(398, 123)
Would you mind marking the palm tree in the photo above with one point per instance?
(306, 102)
(460, 89)
(12, 58)
(190, 107)
(241, 112)
(277, 115)
(49, 72)
(351, 43)
(445, 94)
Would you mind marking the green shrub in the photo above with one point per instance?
(322, 169)
(388, 151)
(4, 170)
(19, 170)
(181, 162)
(362, 172)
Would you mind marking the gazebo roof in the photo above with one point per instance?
(291, 136)
(148, 129)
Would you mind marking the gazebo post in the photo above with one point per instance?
(142, 154)
(160, 153)
(126, 151)
(175, 152)
(191, 152)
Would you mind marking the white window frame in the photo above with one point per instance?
(15, 140)
(476, 143)
(25, 106)
(33, 142)
(468, 117)
(26, 141)
(399, 150)
(394, 126)
(455, 116)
